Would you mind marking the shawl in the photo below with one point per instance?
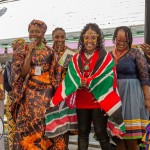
(102, 83)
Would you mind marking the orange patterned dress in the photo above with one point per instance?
(32, 96)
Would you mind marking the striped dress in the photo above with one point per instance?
(132, 73)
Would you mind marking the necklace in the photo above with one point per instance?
(118, 56)
(88, 56)
(87, 62)
(40, 47)
(88, 59)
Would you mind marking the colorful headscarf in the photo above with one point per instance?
(40, 23)
(18, 40)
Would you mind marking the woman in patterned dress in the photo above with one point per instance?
(133, 86)
(19, 42)
(61, 120)
(32, 77)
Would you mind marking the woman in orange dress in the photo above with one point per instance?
(19, 42)
(32, 78)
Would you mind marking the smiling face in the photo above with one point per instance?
(90, 40)
(59, 37)
(36, 32)
(121, 41)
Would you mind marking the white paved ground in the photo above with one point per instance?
(93, 144)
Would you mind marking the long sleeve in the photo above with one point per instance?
(142, 67)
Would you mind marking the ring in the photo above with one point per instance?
(147, 48)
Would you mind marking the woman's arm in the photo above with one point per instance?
(144, 77)
(146, 91)
(26, 65)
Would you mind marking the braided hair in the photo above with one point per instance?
(56, 29)
(128, 34)
(100, 38)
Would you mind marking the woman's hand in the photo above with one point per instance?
(32, 46)
(147, 104)
(1, 70)
(83, 83)
(145, 48)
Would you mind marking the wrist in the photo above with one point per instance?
(28, 56)
(1, 87)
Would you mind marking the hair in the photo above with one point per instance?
(100, 38)
(128, 34)
(56, 29)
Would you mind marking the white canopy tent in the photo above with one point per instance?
(72, 15)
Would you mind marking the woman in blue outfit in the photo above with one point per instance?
(133, 86)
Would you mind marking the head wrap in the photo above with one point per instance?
(41, 24)
(18, 40)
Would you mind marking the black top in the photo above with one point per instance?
(7, 77)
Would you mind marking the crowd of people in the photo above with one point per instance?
(56, 92)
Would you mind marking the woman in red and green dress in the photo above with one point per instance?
(90, 81)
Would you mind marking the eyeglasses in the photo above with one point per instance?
(119, 40)
(93, 38)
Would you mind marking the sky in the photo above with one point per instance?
(72, 15)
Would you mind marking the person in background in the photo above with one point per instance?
(32, 87)
(91, 80)
(17, 43)
(133, 86)
(61, 120)
(146, 49)
(2, 97)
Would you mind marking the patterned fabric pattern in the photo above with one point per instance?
(60, 142)
(31, 98)
(40, 23)
(10, 121)
(18, 40)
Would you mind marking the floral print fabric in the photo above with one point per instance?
(32, 96)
